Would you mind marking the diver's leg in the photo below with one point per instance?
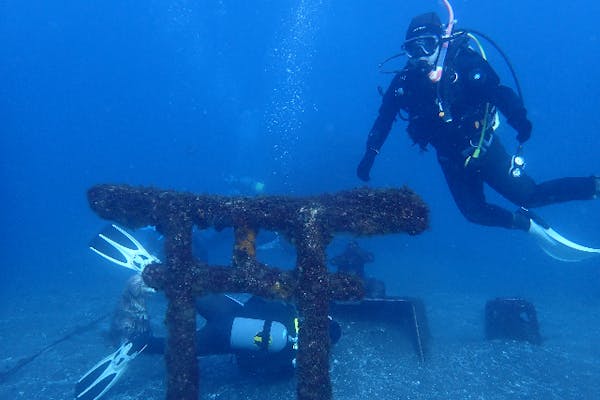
(466, 186)
(563, 189)
(522, 190)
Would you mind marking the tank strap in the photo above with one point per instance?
(263, 338)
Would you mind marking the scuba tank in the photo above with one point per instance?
(252, 334)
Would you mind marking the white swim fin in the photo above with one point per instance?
(96, 382)
(558, 246)
(120, 247)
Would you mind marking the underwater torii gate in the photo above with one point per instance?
(308, 222)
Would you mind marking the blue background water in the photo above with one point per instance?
(184, 94)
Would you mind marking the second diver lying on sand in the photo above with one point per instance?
(262, 334)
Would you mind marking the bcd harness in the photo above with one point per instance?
(263, 338)
(490, 121)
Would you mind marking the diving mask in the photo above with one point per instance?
(421, 46)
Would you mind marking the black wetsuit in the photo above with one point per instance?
(468, 87)
(220, 310)
(214, 337)
(352, 260)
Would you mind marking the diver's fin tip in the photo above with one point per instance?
(558, 246)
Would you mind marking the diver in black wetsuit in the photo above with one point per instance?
(262, 334)
(352, 261)
(456, 114)
(236, 324)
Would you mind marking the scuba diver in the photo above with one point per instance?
(244, 186)
(352, 261)
(261, 334)
(450, 96)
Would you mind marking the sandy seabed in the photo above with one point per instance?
(371, 360)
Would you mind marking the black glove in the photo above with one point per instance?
(523, 130)
(364, 167)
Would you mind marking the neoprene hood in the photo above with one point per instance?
(425, 24)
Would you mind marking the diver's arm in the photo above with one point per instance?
(513, 109)
(483, 82)
(483, 78)
(390, 106)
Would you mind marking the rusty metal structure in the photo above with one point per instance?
(309, 223)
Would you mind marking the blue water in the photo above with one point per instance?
(187, 94)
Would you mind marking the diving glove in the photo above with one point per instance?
(523, 127)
